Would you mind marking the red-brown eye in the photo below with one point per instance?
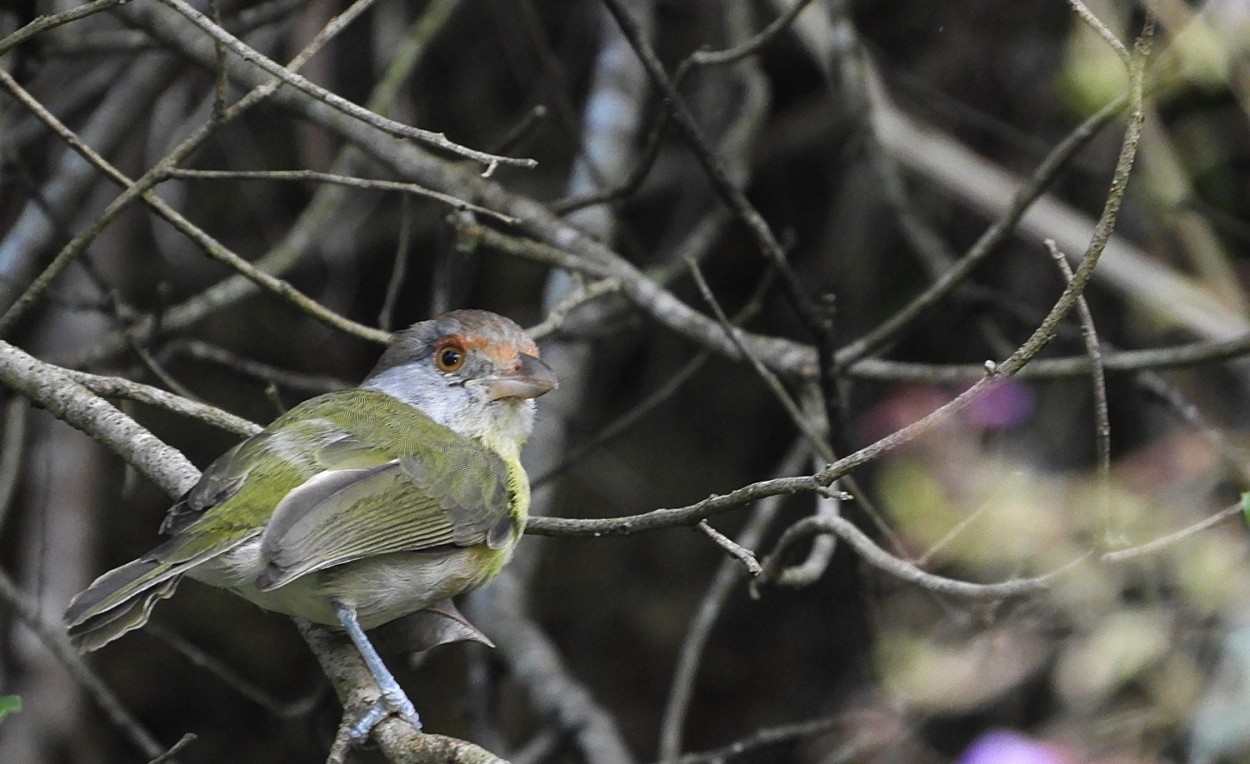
(449, 358)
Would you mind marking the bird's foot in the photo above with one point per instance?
(391, 702)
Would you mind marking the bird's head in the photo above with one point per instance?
(473, 371)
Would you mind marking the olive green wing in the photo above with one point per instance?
(242, 486)
(219, 482)
(253, 476)
(446, 490)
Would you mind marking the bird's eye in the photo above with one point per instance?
(449, 358)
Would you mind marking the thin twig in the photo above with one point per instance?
(987, 243)
(1150, 547)
(559, 312)
(1118, 362)
(715, 169)
(535, 115)
(632, 182)
(1106, 221)
(43, 23)
(326, 201)
(819, 444)
(728, 574)
(227, 675)
(123, 313)
(658, 519)
(813, 567)
(162, 375)
(1094, 23)
(125, 389)
(955, 532)
(762, 738)
(1102, 417)
(175, 749)
(268, 373)
(460, 205)
(12, 452)
(752, 46)
(289, 77)
(399, 269)
(732, 548)
(903, 570)
(141, 188)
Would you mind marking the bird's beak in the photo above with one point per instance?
(532, 379)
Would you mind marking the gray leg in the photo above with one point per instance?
(393, 700)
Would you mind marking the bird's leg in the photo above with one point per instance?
(393, 699)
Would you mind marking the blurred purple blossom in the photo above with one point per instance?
(1007, 747)
(1006, 404)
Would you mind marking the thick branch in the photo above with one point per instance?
(52, 388)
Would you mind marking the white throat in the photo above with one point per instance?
(502, 425)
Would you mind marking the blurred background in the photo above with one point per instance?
(879, 141)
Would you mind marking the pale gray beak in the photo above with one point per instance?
(533, 379)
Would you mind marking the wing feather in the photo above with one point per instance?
(456, 493)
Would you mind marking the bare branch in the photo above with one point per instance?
(903, 570)
(64, 397)
(1151, 547)
(731, 547)
(752, 46)
(142, 189)
(670, 518)
(118, 387)
(1094, 23)
(802, 422)
(51, 21)
(715, 169)
(413, 189)
(1102, 419)
(762, 738)
(287, 76)
(12, 452)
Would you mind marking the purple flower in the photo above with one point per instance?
(1007, 404)
(1007, 747)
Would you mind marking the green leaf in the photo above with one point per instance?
(9, 704)
(1245, 507)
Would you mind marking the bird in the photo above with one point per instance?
(360, 506)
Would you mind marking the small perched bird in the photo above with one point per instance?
(361, 506)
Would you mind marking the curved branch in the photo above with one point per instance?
(671, 518)
(119, 387)
(54, 389)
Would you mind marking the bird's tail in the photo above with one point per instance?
(122, 599)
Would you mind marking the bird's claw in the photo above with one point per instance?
(389, 703)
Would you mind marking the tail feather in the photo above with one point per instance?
(91, 632)
(122, 599)
(113, 587)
